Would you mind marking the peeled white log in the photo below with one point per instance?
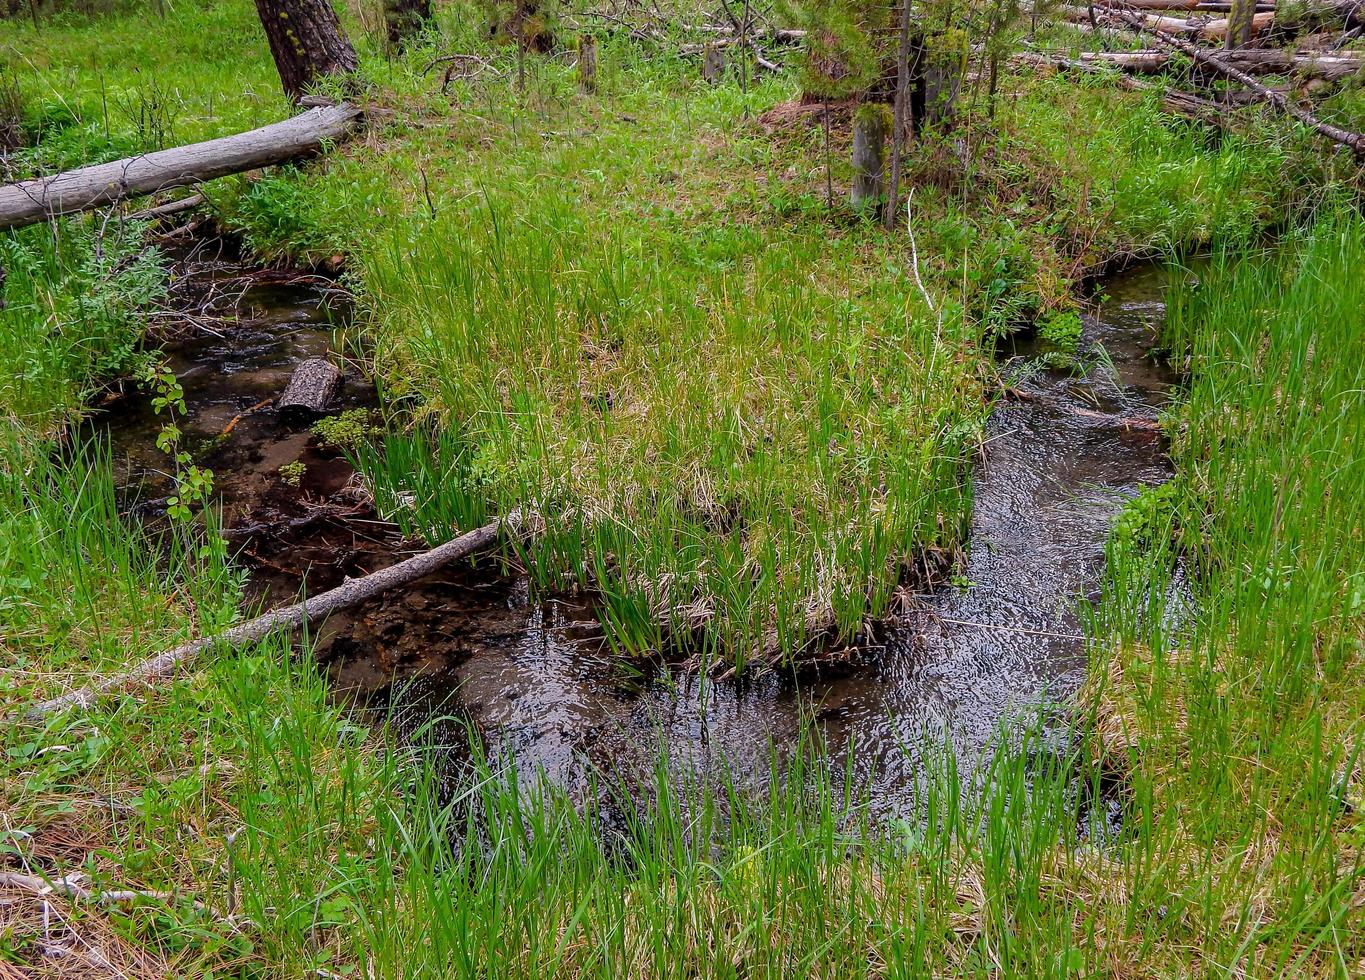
(31, 201)
(1252, 61)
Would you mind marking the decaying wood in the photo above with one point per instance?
(1212, 30)
(37, 200)
(169, 209)
(404, 20)
(311, 390)
(1254, 62)
(350, 593)
(1356, 141)
(69, 886)
(713, 63)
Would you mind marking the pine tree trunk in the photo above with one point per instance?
(404, 20)
(1240, 23)
(306, 41)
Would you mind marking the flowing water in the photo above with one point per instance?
(531, 673)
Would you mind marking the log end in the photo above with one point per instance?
(311, 391)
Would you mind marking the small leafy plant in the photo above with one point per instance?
(349, 430)
(193, 483)
(291, 474)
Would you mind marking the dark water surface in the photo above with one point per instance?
(532, 674)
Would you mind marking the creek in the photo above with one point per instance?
(531, 673)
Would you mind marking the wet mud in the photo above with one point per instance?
(531, 673)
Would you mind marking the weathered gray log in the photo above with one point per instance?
(713, 63)
(31, 201)
(1355, 141)
(165, 665)
(587, 64)
(870, 125)
(1254, 62)
(311, 390)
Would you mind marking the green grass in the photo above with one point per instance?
(635, 317)
(1243, 728)
(729, 406)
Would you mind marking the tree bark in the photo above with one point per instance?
(898, 116)
(311, 389)
(36, 200)
(1263, 61)
(354, 591)
(306, 41)
(869, 155)
(404, 20)
(1239, 24)
(713, 63)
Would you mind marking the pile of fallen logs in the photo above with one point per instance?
(1253, 61)
(1174, 36)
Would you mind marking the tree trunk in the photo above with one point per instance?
(713, 63)
(898, 116)
(37, 200)
(306, 41)
(404, 20)
(1239, 24)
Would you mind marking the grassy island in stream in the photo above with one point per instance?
(732, 409)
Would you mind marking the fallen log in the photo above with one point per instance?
(1263, 61)
(31, 201)
(311, 390)
(1355, 141)
(1174, 101)
(1212, 30)
(349, 593)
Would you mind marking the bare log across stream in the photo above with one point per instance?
(350, 593)
(31, 201)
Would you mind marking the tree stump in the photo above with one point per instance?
(310, 392)
(587, 64)
(713, 63)
(870, 125)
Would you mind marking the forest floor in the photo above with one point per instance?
(740, 412)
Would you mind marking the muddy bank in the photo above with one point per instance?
(531, 673)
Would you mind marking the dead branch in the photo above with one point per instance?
(347, 594)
